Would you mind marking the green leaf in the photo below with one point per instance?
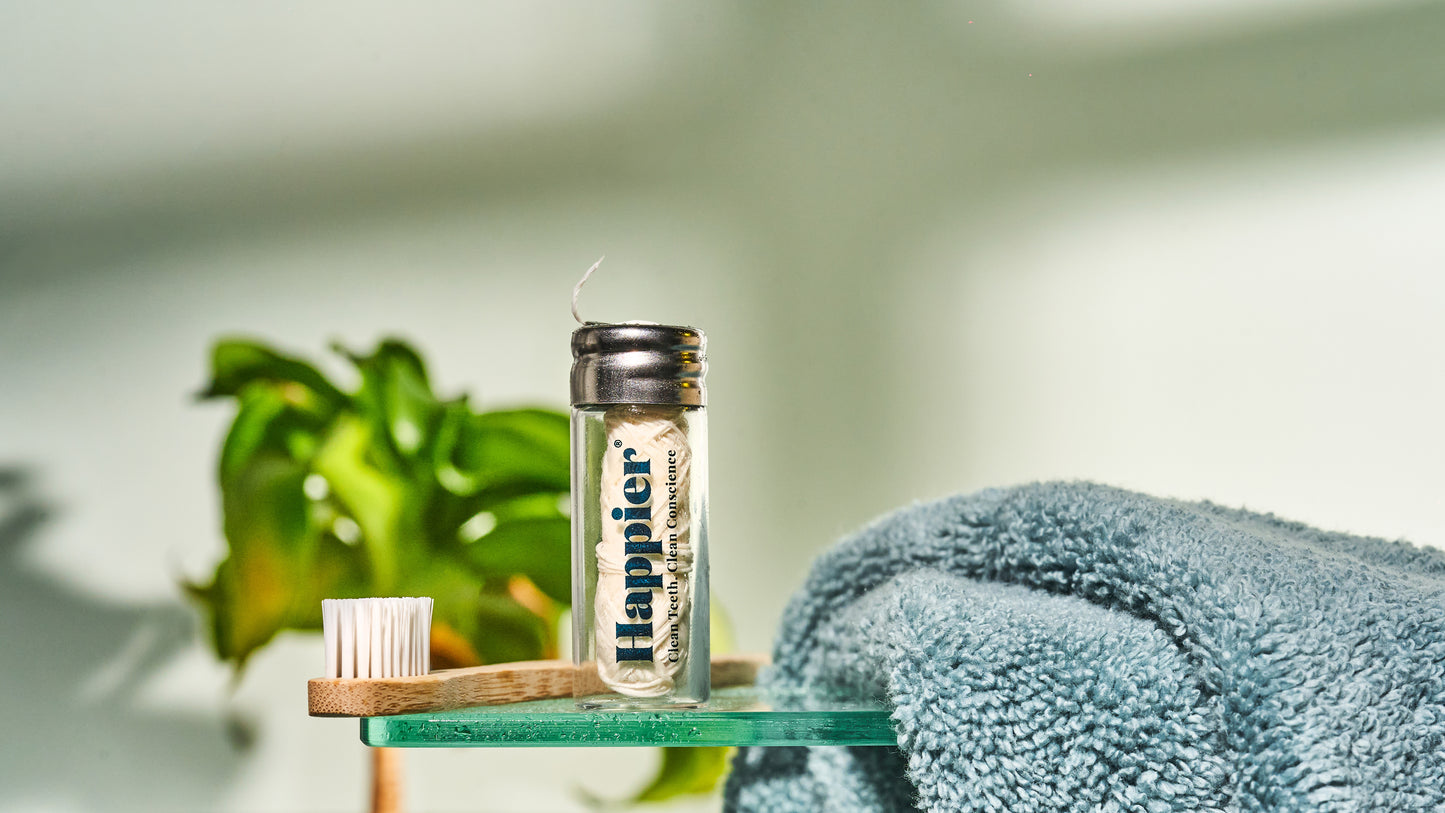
(538, 548)
(497, 627)
(238, 363)
(338, 571)
(396, 394)
(685, 771)
(454, 456)
(255, 589)
(505, 453)
(267, 423)
(374, 499)
(507, 631)
(721, 638)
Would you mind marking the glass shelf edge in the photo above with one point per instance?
(378, 736)
(737, 717)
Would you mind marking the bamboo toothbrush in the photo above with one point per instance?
(378, 659)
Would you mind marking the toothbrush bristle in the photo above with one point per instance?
(376, 637)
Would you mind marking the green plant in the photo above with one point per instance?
(390, 490)
(387, 490)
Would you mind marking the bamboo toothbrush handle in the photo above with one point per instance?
(490, 685)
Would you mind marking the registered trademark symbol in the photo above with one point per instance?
(617, 444)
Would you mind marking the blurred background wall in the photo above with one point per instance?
(1193, 248)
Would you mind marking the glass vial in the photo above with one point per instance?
(639, 517)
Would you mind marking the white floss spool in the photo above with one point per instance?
(656, 435)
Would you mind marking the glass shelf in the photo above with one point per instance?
(741, 715)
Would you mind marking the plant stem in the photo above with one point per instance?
(386, 784)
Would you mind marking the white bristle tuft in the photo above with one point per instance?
(376, 637)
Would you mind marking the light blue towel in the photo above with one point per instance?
(1069, 646)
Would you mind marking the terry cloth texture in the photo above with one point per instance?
(1070, 646)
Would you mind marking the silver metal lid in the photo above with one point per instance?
(638, 363)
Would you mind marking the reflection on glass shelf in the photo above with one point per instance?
(741, 715)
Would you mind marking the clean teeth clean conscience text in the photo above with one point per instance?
(639, 545)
